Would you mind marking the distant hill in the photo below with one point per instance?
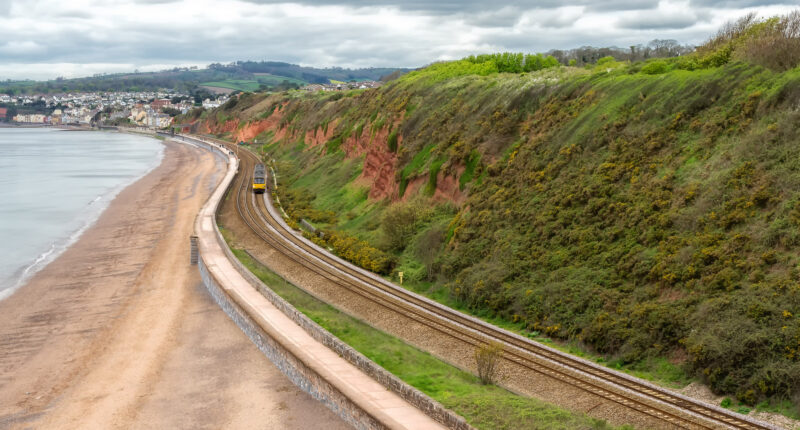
(308, 74)
(240, 75)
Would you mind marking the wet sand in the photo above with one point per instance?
(118, 332)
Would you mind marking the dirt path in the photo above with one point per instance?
(118, 332)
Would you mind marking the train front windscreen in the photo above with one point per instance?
(259, 179)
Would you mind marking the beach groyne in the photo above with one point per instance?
(309, 356)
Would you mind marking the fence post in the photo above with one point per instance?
(194, 252)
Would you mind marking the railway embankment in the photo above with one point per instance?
(357, 389)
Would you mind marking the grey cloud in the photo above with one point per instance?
(505, 17)
(74, 14)
(447, 7)
(736, 4)
(659, 21)
(556, 21)
(450, 7)
(620, 5)
(275, 33)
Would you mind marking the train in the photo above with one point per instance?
(259, 179)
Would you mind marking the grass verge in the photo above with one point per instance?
(483, 406)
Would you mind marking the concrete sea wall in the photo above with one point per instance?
(292, 361)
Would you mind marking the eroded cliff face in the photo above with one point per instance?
(249, 130)
(320, 135)
(380, 164)
(380, 171)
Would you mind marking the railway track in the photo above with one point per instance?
(673, 409)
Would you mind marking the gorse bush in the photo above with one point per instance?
(356, 251)
(655, 67)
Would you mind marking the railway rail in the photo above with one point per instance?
(673, 409)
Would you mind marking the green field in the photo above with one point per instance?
(252, 84)
(266, 78)
(234, 84)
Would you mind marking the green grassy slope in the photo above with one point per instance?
(646, 211)
(234, 84)
(253, 84)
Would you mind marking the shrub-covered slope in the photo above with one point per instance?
(646, 212)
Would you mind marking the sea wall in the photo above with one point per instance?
(301, 375)
(309, 376)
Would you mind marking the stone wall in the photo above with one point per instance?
(297, 372)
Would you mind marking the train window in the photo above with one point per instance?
(258, 181)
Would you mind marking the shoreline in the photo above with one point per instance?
(61, 244)
(119, 332)
(54, 126)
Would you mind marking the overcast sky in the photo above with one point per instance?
(43, 39)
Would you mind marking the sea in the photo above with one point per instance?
(54, 184)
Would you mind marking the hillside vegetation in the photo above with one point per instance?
(645, 210)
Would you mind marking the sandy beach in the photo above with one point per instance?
(118, 332)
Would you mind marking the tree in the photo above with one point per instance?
(171, 111)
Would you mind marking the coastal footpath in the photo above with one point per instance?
(119, 332)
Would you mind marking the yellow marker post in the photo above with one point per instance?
(400, 275)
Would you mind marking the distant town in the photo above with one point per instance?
(152, 109)
(340, 86)
(149, 109)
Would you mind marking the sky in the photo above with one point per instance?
(45, 39)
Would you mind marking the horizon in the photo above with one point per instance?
(50, 39)
(181, 66)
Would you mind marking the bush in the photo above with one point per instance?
(359, 252)
(400, 221)
(655, 67)
(487, 357)
(772, 43)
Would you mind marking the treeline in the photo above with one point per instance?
(657, 48)
(133, 82)
(517, 62)
(772, 43)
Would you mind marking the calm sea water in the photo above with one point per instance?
(54, 184)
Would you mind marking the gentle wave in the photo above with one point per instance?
(56, 249)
